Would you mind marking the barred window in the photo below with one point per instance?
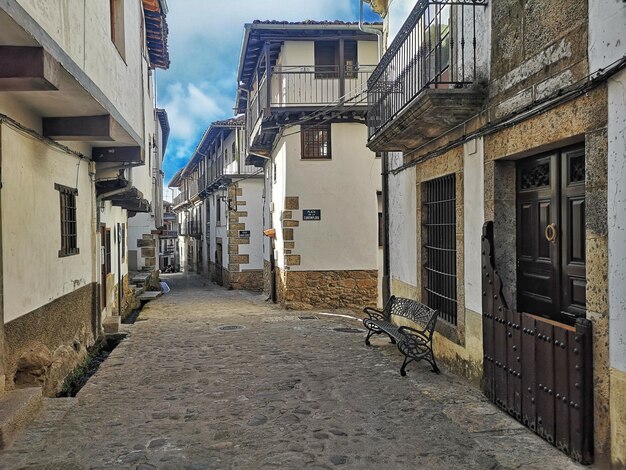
(315, 141)
(440, 246)
(69, 236)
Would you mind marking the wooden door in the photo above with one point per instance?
(551, 234)
(218, 264)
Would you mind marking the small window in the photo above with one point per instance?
(69, 235)
(218, 212)
(107, 250)
(233, 151)
(117, 26)
(381, 229)
(327, 59)
(315, 141)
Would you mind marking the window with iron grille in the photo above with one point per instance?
(315, 141)
(440, 246)
(69, 235)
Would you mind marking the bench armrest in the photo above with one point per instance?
(420, 335)
(374, 313)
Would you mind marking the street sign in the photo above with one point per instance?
(244, 233)
(311, 214)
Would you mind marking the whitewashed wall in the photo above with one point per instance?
(252, 191)
(344, 189)
(34, 275)
(90, 47)
(111, 216)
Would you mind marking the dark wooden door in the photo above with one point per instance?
(218, 264)
(551, 234)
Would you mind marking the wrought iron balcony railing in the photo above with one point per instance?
(435, 48)
(308, 86)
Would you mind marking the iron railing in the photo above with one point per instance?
(309, 86)
(169, 233)
(180, 198)
(435, 48)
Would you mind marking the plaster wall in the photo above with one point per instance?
(82, 29)
(344, 189)
(474, 217)
(252, 190)
(31, 229)
(111, 216)
(278, 192)
(402, 227)
(607, 33)
(140, 224)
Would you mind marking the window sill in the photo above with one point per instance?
(65, 254)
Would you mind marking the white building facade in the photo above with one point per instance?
(303, 94)
(70, 135)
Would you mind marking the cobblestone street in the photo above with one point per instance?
(282, 392)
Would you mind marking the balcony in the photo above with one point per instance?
(194, 229)
(168, 234)
(293, 90)
(427, 81)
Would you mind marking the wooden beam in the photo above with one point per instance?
(117, 155)
(28, 69)
(80, 128)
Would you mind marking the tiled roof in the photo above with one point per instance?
(234, 121)
(156, 34)
(165, 126)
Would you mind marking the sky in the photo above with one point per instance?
(204, 41)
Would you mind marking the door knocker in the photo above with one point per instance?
(550, 233)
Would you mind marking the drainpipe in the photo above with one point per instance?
(386, 287)
(375, 31)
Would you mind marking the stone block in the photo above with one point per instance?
(142, 242)
(291, 223)
(147, 252)
(287, 215)
(240, 259)
(239, 241)
(151, 262)
(597, 267)
(241, 213)
(289, 245)
(237, 226)
(233, 233)
(233, 249)
(233, 268)
(292, 260)
(241, 203)
(287, 234)
(292, 202)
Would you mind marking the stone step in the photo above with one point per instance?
(137, 290)
(17, 410)
(150, 295)
(111, 324)
(139, 278)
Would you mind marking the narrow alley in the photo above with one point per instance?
(284, 389)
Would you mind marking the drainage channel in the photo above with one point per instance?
(96, 356)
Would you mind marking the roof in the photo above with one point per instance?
(275, 32)
(156, 33)
(165, 126)
(176, 180)
(213, 132)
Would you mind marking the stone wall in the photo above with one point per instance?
(303, 290)
(267, 278)
(129, 299)
(45, 345)
(246, 280)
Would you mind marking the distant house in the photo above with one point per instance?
(303, 92)
(220, 209)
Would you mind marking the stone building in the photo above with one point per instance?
(502, 125)
(302, 89)
(222, 208)
(168, 239)
(74, 145)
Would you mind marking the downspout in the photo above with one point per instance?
(386, 281)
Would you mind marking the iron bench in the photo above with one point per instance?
(414, 344)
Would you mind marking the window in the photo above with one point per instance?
(381, 229)
(327, 59)
(117, 25)
(233, 150)
(315, 141)
(122, 235)
(218, 212)
(440, 246)
(69, 235)
(107, 251)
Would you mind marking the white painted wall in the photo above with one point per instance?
(402, 223)
(607, 32)
(111, 216)
(617, 220)
(82, 29)
(252, 190)
(473, 219)
(278, 191)
(34, 275)
(344, 189)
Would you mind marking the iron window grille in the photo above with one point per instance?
(315, 141)
(69, 235)
(440, 246)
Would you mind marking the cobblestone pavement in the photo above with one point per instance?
(283, 392)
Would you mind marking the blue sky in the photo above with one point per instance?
(204, 43)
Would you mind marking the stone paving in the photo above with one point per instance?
(282, 392)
